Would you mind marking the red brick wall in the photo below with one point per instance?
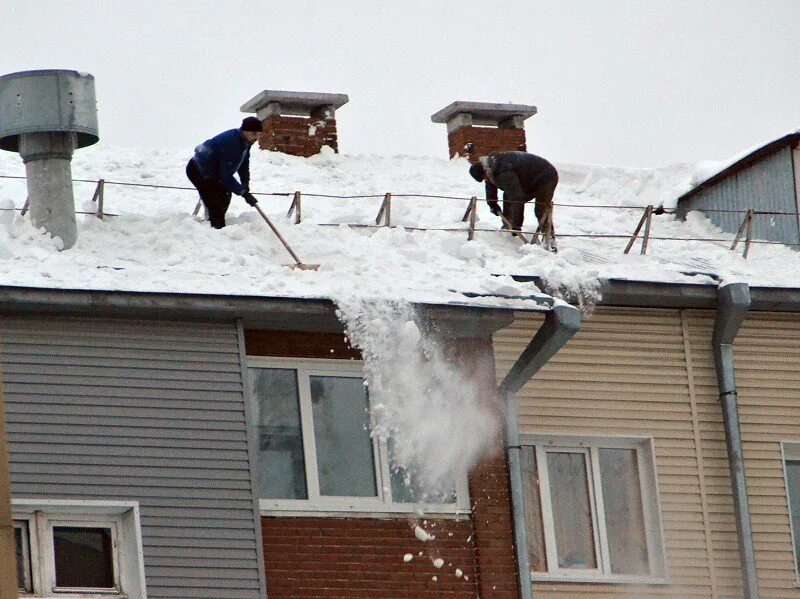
(489, 485)
(363, 558)
(290, 135)
(356, 557)
(485, 141)
(298, 344)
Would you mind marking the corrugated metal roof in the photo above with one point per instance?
(790, 139)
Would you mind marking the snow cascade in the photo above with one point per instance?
(432, 416)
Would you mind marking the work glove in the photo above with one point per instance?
(250, 198)
(495, 208)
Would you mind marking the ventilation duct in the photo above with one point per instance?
(45, 116)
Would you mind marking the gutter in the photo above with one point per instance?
(733, 303)
(559, 326)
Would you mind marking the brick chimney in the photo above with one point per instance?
(296, 123)
(475, 129)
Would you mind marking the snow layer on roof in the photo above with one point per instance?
(157, 245)
(711, 168)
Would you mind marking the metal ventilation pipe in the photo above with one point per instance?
(45, 116)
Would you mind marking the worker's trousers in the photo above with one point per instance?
(214, 194)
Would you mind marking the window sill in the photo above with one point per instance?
(75, 595)
(322, 512)
(576, 578)
(344, 508)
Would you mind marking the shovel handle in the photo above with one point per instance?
(278, 234)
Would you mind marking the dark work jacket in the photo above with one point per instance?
(222, 156)
(531, 173)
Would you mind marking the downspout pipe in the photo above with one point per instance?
(559, 326)
(733, 303)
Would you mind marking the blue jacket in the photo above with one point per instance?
(222, 156)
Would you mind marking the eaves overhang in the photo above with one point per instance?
(625, 293)
(476, 316)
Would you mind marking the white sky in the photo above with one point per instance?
(637, 83)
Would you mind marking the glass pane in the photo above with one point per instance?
(622, 502)
(572, 512)
(280, 467)
(409, 487)
(345, 463)
(533, 510)
(23, 556)
(793, 482)
(83, 557)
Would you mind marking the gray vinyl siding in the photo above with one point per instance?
(146, 411)
(767, 185)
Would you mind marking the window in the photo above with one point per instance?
(591, 510)
(78, 549)
(315, 447)
(791, 466)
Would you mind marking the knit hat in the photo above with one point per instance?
(251, 123)
(477, 171)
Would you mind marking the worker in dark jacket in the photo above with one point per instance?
(214, 163)
(522, 177)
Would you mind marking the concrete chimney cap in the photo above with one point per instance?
(484, 112)
(297, 103)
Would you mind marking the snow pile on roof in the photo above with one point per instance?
(157, 245)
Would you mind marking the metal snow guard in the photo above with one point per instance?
(294, 103)
(489, 113)
(47, 101)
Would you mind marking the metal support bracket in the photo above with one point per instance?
(471, 212)
(296, 208)
(99, 193)
(645, 221)
(385, 212)
(747, 228)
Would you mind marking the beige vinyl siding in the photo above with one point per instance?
(725, 548)
(767, 358)
(767, 363)
(625, 374)
(635, 372)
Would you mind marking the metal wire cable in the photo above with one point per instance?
(418, 195)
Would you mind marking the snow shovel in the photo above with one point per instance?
(298, 263)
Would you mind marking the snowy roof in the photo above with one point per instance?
(156, 245)
(709, 173)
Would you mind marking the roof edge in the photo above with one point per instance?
(645, 294)
(279, 313)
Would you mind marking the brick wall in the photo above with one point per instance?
(485, 140)
(489, 484)
(358, 557)
(363, 558)
(298, 136)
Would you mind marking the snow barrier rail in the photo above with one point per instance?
(383, 219)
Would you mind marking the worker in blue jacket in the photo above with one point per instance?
(214, 163)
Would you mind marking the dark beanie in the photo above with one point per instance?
(251, 123)
(477, 172)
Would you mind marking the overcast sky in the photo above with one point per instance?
(637, 83)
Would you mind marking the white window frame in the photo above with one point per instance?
(327, 505)
(27, 552)
(122, 518)
(790, 451)
(648, 488)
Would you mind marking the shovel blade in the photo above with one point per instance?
(301, 266)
